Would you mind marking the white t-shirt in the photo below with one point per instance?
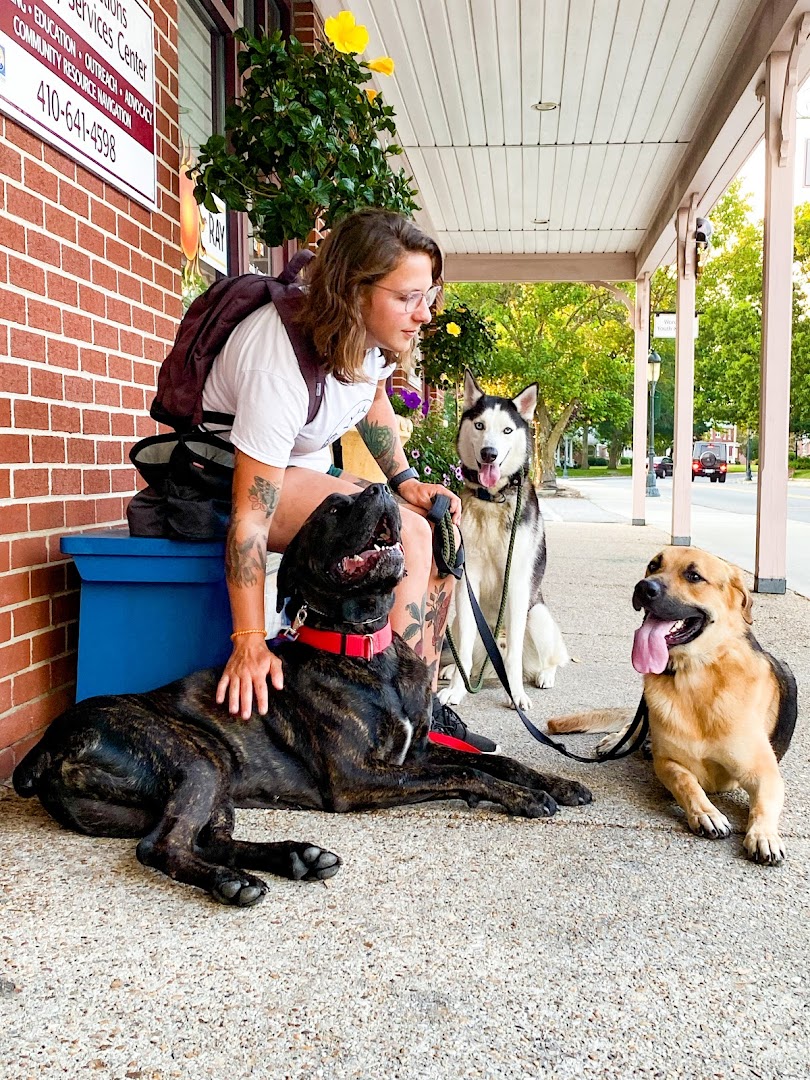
(256, 378)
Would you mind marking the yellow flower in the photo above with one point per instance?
(453, 328)
(372, 94)
(346, 35)
(383, 64)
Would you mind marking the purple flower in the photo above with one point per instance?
(425, 407)
(427, 470)
(414, 454)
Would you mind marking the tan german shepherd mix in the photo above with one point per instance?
(722, 710)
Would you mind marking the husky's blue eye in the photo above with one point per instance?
(507, 431)
(479, 426)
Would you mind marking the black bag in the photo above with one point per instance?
(189, 493)
(190, 473)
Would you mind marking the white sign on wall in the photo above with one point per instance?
(81, 75)
(214, 251)
(664, 324)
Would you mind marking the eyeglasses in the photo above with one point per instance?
(412, 300)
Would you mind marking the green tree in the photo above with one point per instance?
(573, 340)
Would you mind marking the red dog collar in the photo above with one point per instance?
(365, 646)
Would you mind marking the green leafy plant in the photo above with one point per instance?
(303, 145)
(431, 448)
(457, 338)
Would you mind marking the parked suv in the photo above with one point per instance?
(710, 459)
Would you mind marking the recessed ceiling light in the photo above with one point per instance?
(541, 221)
(545, 106)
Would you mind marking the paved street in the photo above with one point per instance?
(723, 516)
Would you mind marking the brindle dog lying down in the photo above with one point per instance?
(347, 732)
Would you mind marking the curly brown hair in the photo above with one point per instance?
(360, 250)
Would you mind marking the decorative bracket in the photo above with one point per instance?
(788, 110)
(687, 250)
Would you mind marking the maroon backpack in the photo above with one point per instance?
(206, 327)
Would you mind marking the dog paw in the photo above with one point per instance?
(308, 862)
(534, 804)
(567, 792)
(765, 848)
(712, 824)
(238, 890)
(451, 695)
(544, 680)
(606, 745)
(522, 699)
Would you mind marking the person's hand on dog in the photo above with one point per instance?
(420, 495)
(245, 675)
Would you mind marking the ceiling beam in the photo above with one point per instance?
(585, 267)
(723, 133)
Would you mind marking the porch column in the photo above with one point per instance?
(774, 406)
(641, 325)
(684, 376)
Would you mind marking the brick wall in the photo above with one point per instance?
(89, 295)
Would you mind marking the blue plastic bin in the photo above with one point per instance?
(150, 610)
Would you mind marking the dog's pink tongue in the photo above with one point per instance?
(650, 652)
(489, 475)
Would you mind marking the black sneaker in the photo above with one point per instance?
(449, 723)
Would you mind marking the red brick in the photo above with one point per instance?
(105, 335)
(5, 413)
(96, 482)
(79, 513)
(5, 695)
(133, 397)
(73, 199)
(143, 319)
(31, 684)
(47, 384)
(95, 422)
(63, 290)
(78, 389)
(11, 163)
(58, 161)
(31, 414)
(123, 424)
(66, 481)
(31, 617)
(14, 658)
(25, 346)
(15, 588)
(76, 263)
(26, 276)
(58, 223)
(145, 375)
(119, 311)
(96, 362)
(12, 304)
(40, 180)
(30, 483)
(117, 253)
(46, 646)
(15, 448)
(5, 629)
(14, 519)
(91, 300)
(120, 368)
(14, 235)
(108, 394)
(46, 515)
(64, 354)
(63, 671)
(102, 216)
(50, 448)
(15, 376)
(109, 452)
(43, 248)
(5, 556)
(132, 344)
(48, 580)
(5, 483)
(124, 480)
(104, 275)
(44, 316)
(24, 206)
(91, 240)
(29, 551)
(81, 451)
(65, 419)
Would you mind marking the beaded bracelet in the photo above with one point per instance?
(239, 633)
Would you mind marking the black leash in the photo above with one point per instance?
(639, 728)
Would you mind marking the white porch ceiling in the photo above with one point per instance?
(656, 101)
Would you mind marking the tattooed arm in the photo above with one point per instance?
(380, 432)
(256, 490)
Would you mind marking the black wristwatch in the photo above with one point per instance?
(401, 477)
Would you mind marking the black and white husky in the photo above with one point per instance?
(494, 445)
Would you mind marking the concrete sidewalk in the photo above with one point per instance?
(607, 942)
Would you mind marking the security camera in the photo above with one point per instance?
(703, 231)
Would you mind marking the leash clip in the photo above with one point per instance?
(291, 632)
(368, 646)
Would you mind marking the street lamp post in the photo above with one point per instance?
(653, 371)
(748, 475)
